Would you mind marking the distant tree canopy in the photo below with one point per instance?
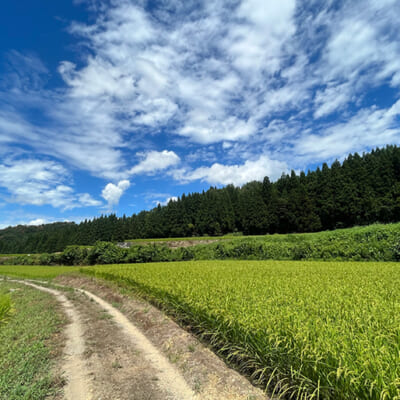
(360, 191)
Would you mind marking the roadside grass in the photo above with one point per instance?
(36, 271)
(5, 308)
(29, 345)
(12, 255)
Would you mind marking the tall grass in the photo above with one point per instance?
(5, 308)
(34, 271)
(308, 329)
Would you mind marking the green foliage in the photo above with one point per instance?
(182, 254)
(313, 329)
(5, 308)
(372, 243)
(106, 253)
(25, 259)
(47, 259)
(395, 249)
(147, 253)
(73, 255)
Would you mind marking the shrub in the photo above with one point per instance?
(46, 259)
(74, 255)
(106, 253)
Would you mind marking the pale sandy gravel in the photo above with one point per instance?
(78, 383)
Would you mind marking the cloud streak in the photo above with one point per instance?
(37, 182)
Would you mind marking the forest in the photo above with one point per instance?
(361, 190)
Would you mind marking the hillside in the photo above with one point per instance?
(359, 191)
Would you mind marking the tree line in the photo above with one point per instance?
(361, 190)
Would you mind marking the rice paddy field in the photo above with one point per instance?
(326, 330)
(35, 271)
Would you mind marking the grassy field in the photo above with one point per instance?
(11, 255)
(35, 271)
(326, 330)
(5, 308)
(28, 344)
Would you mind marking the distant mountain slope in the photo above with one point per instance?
(360, 191)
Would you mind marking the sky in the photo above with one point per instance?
(120, 105)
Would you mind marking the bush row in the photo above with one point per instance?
(108, 253)
(103, 253)
(373, 243)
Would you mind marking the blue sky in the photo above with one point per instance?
(117, 105)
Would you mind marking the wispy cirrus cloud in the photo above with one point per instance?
(218, 72)
(233, 90)
(371, 127)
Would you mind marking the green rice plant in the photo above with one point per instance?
(323, 330)
(35, 271)
(5, 308)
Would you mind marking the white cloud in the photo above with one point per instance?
(236, 174)
(86, 200)
(37, 221)
(361, 52)
(331, 99)
(352, 48)
(166, 201)
(250, 74)
(227, 72)
(112, 193)
(154, 161)
(155, 72)
(367, 129)
(23, 71)
(97, 79)
(38, 182)
(256, 45)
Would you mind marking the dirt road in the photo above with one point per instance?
(74, 366)
(122, 348)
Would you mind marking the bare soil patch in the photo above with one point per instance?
(117, 368)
